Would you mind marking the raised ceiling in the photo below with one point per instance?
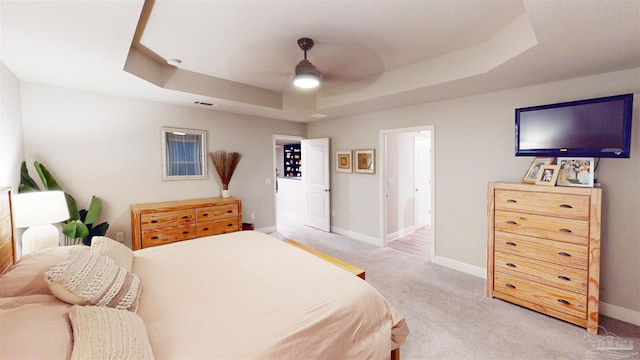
(240, 55)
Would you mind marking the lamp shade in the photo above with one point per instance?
(39, 208)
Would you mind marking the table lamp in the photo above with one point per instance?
(37, 211)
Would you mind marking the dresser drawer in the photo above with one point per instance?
(168, 235)
(541, 203)
(166, 218)
(217, 227)
(546, 296)
(563, 277)
(556, 252)
(217, 212)
(567, 230)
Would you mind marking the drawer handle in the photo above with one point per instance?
(511, 265)
(511, 201)
(205, 229)
(153, 221)
(154, 238)
(565, 206)
(229, 224)
(513, 287)
(564, 302)
(511, 243)
(565, 230)
(205, 214)
(185, 217)
(564, 278)
(562, 253)
(185, 232)
(511, 222)
(229, 211)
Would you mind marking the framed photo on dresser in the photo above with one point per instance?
(576, 172)
(532, 174)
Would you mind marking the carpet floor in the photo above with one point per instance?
(449, 316)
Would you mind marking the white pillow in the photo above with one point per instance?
(119, 253)
(89, 278)
(105, 333)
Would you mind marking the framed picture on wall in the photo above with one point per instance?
(343, 161)
(365, 161)
(547, 175)
(532, 174)
(576, 172)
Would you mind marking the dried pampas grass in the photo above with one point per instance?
(225, 164)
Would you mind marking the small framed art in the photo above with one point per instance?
(343, 161)
(547, 175)
(532, 174)
(576, 172)
(365, 161)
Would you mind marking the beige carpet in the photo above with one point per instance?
(449, 316)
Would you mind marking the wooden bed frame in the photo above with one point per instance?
(8, 248)
(7, 243)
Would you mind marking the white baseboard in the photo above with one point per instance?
(354, 235)
(620, 313)
(267, 230)
(400, 233)
(460, 266)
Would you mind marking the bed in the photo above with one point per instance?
(244, 295)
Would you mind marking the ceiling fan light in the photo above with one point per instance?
(306, 81)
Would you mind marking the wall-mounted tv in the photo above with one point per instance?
(599, 128)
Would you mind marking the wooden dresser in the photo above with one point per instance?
(7, 251)
(543, 249)
(166, 222)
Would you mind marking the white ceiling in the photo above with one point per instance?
(240, 55)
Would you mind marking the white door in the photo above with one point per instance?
(315, 179)
(422, 198)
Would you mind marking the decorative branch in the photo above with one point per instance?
(225, 164)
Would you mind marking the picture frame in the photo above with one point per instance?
(365, 161)
(547, 175)
(184, 154)
(344, 163)
(576, 172)
(531, 176)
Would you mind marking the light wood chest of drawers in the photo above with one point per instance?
(543, 249)
(166, 222)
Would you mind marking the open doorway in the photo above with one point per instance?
(407, 188)
(287, 161)
(302, 194)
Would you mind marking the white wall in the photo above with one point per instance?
(473, 146)
(110, 147)
(11, 143)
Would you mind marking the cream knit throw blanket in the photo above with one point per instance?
(105, 333)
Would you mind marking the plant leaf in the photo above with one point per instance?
(74, 214)
(27, 184)
(95, 208)
(100, 229)
(75, 229)
(48, 180)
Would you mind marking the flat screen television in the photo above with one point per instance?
(599, 128)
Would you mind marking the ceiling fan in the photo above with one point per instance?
(307, 76)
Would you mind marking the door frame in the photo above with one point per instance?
(277, 137)
(383, 176)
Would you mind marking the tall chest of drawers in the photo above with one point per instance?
(543, 249)
(161, 223)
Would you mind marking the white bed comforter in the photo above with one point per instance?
(247, 295)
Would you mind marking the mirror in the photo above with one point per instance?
(184, 154)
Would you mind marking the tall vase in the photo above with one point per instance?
(226, 193)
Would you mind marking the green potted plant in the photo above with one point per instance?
(81, 222)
